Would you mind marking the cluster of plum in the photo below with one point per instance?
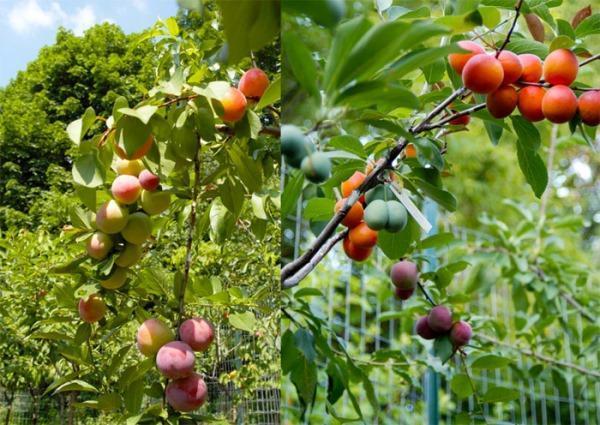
(497, 77)
(377, 210)
(438, 323)
(186, 390)
(251, 87)
(299, 152)
(123, 225)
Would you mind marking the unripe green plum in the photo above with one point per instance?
(99, 245)
(155, 202)
(125, 166)
(129, 256)
(92, 309)
(116, 279)
(316, 167)
(295, 146)
(187, 394)
(197, 332)
(440, 319)
(175, 360)
(111, 217)
(404, 274)
(151, 335)
(460, 334)
(381, 191)
(397, 216)
(376, 215)
(138, 228)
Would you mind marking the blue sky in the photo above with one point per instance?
(27, 25)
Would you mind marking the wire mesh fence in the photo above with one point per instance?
(258, 407)
(357, 315)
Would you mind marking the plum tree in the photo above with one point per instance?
(99, 245)
(138, 228)
(532, 68)
(560, 67)
(175, 360)
(295, 146)
(559, 104)
(139, 152)
(502, 102)
(588, 106)
(423, 330)
(253, 83)
(126, 189)
(152, 335)
(530, 103)
(376, 214)
(148, 180)
(483, 74)
(460, 333)
(111, 217)
(116, 279)
(354, 252)
(130, 255)
(197, 332)
(397, 216)
(459, 60)
(234, 105)
(440, 319)
(362, 236)
(316, 167)
(404, 274)
(125, 166)
(156, 202)
(354, 216)
(511, 65)
(187, 394)
(92, 308)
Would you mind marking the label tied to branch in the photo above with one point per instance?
(402, 195)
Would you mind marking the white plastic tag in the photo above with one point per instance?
(412, 209)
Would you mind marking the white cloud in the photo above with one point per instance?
(28, 16)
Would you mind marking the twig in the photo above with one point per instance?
(463, 359)
(538, 356)
(512, 28)
(427, 296)
(452, 117)
(589, 60)
(301, 274)
(190, 238)
(574, 303)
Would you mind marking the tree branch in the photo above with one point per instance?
(590, 60)
(541, 357)
(512, 28)
(451, 117)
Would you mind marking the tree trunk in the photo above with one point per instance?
(71, 409)
(10, 400)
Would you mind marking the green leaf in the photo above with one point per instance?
(428, 153)
(561, 42)
(319, 209)
(290, 195)
(249, 25)
(490, 361)
(271, 95)
(464, 6)
(533, 169)
(349, 144)
(528, 134)
(499, 395)
(395, 245)
(120, 103)
(218, 221)
(346, 36)
(440, 196)
(490, 16)
(379, 93)
(258, 206)
(301, 63)
(78, 128)
(143, 113)
(417, 59)
(382, 45)
(75, 385)
(232, 195)
(305, 343)
(133, 396)
(437, 241)
(87, 196)
(434, 71)
(308, 292)
(88, 171)
(131, 134)
(565, 28)
(171, 24)
(246, 167)
(323, 12)
(442, 348)
(589, 26)
(523, 45)
(461, 385)
(245, 321)
(462, 23)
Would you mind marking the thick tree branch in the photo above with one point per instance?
(541, 357)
